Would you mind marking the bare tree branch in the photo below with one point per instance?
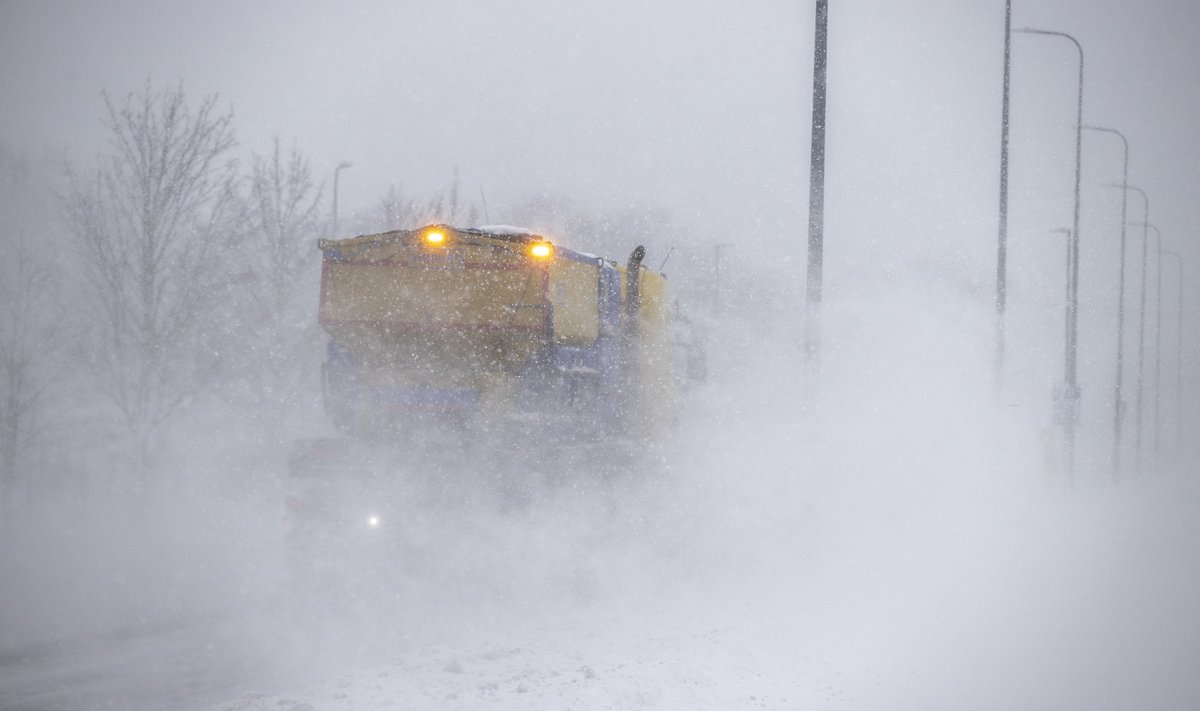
(148, 225)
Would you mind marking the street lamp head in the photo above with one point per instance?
(1036, 31)
(1134, 188)
(1148, 226)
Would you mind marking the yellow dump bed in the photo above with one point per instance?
(442, 316)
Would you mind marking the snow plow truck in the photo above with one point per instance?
(491, 338)
(460, 358)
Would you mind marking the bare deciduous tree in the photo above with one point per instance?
(148, 224)
(557, 216)
(280, 260)
(285, 203)
(396, 211)
(30, 335)
(32, 331)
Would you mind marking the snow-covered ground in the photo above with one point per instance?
(911, 548)
(1088, 601)
(900, 542)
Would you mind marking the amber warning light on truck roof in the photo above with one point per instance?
(435, 238)
(541, 250)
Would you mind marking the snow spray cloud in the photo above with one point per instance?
(903, 524)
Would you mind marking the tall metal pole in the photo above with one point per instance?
(816, 188)
(1067, 282)
(338, 169)
(1179, 367)
(1178, 353)
(1141, 369)
(1158, 280)
(1002, 242)
(1141, 378)
(1118, 402)
(1072, 393)
(1157, 340)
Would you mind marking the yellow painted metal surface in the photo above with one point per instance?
(659, 400)
(574, 297)
(458, 314)
(469, 312)
(405, 282)
(431, 296)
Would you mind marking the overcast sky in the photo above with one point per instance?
(700, 107)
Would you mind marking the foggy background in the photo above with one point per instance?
(896, 534)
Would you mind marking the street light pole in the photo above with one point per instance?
(1118, 402)
(1072, 394)
(816, 188)
(1141, 371)
(1066, 232)
(338, 169)
(1178, 354)
(1157, 341)
(1002, 243)
(1158, 279)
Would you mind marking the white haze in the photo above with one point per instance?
(895, 533)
